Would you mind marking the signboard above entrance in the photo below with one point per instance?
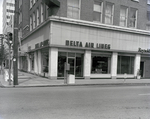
(144, 50)
(87, 44)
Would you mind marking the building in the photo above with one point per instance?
(8, 12)
(98, 38)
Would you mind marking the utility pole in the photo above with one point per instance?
(15, 45)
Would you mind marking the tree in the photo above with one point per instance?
(5, 55)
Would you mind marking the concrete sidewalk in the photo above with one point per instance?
(30, 80)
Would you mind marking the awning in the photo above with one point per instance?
(52, 3)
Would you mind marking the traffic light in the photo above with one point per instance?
(9, 36)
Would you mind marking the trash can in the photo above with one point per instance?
(71, 79)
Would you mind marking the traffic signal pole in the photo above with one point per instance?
(15, 45)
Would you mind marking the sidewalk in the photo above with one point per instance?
(30, 80)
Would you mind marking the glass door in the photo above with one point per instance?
(71, 61)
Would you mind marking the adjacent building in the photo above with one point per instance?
(98, 38)
(8, 13)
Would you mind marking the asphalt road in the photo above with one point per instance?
(78, 102)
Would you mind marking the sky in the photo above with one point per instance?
(1, 24)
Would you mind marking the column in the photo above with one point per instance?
(137, 64)
(87, 64)
(35, 62)
(53, 62)
(114, 59)
(29, 62)
(39, 62)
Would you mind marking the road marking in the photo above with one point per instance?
(145, 94)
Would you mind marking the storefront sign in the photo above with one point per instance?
(87, 44)
(144, 50)
(41, 44)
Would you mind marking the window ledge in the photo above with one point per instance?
(135, 0)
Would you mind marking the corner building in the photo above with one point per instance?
(98, 38)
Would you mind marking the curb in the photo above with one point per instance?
(68, 85)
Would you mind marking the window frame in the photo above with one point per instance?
(79, 8)
(37, 17)
(42, 12)
(112, 15)
(133, 18)
(126, 16)
(31, 24)
(101, 11)
(34, 20)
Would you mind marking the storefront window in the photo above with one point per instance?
(100, 65)
(32, 61)
(76, 63)
(79, 65)
(61, 61)
(45, 61)
(125, 65)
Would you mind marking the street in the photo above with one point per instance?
(75, 102)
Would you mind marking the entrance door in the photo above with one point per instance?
(142, 68)
(71, 61)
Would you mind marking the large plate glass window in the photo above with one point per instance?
(45, 61)
(32, 61)
(101, 65)
(74, 59)
(125, 65)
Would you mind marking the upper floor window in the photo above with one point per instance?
(133, 18)
(33, 20)
(73, 10)
(123, 16)
(31, 3)
(148, 15)
(11, 4)
(109, 11)
(20, 17)
(8, 17)
(148, 2)
(42, 14)
(37, 15)
(11, 11)
(98, 10)
(30, 23)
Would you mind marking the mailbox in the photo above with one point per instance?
(67, 66)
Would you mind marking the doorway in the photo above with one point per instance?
(142, 68)
(71, 61)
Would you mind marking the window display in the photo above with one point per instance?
(74, 59)
(100, 65)
(125, 65)
(45, 59)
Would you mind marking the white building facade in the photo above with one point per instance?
(93, 50)
(8, 12)
(98, 38)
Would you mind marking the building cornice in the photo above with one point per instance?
(35, 29)
(87, 23)
(99, 25)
